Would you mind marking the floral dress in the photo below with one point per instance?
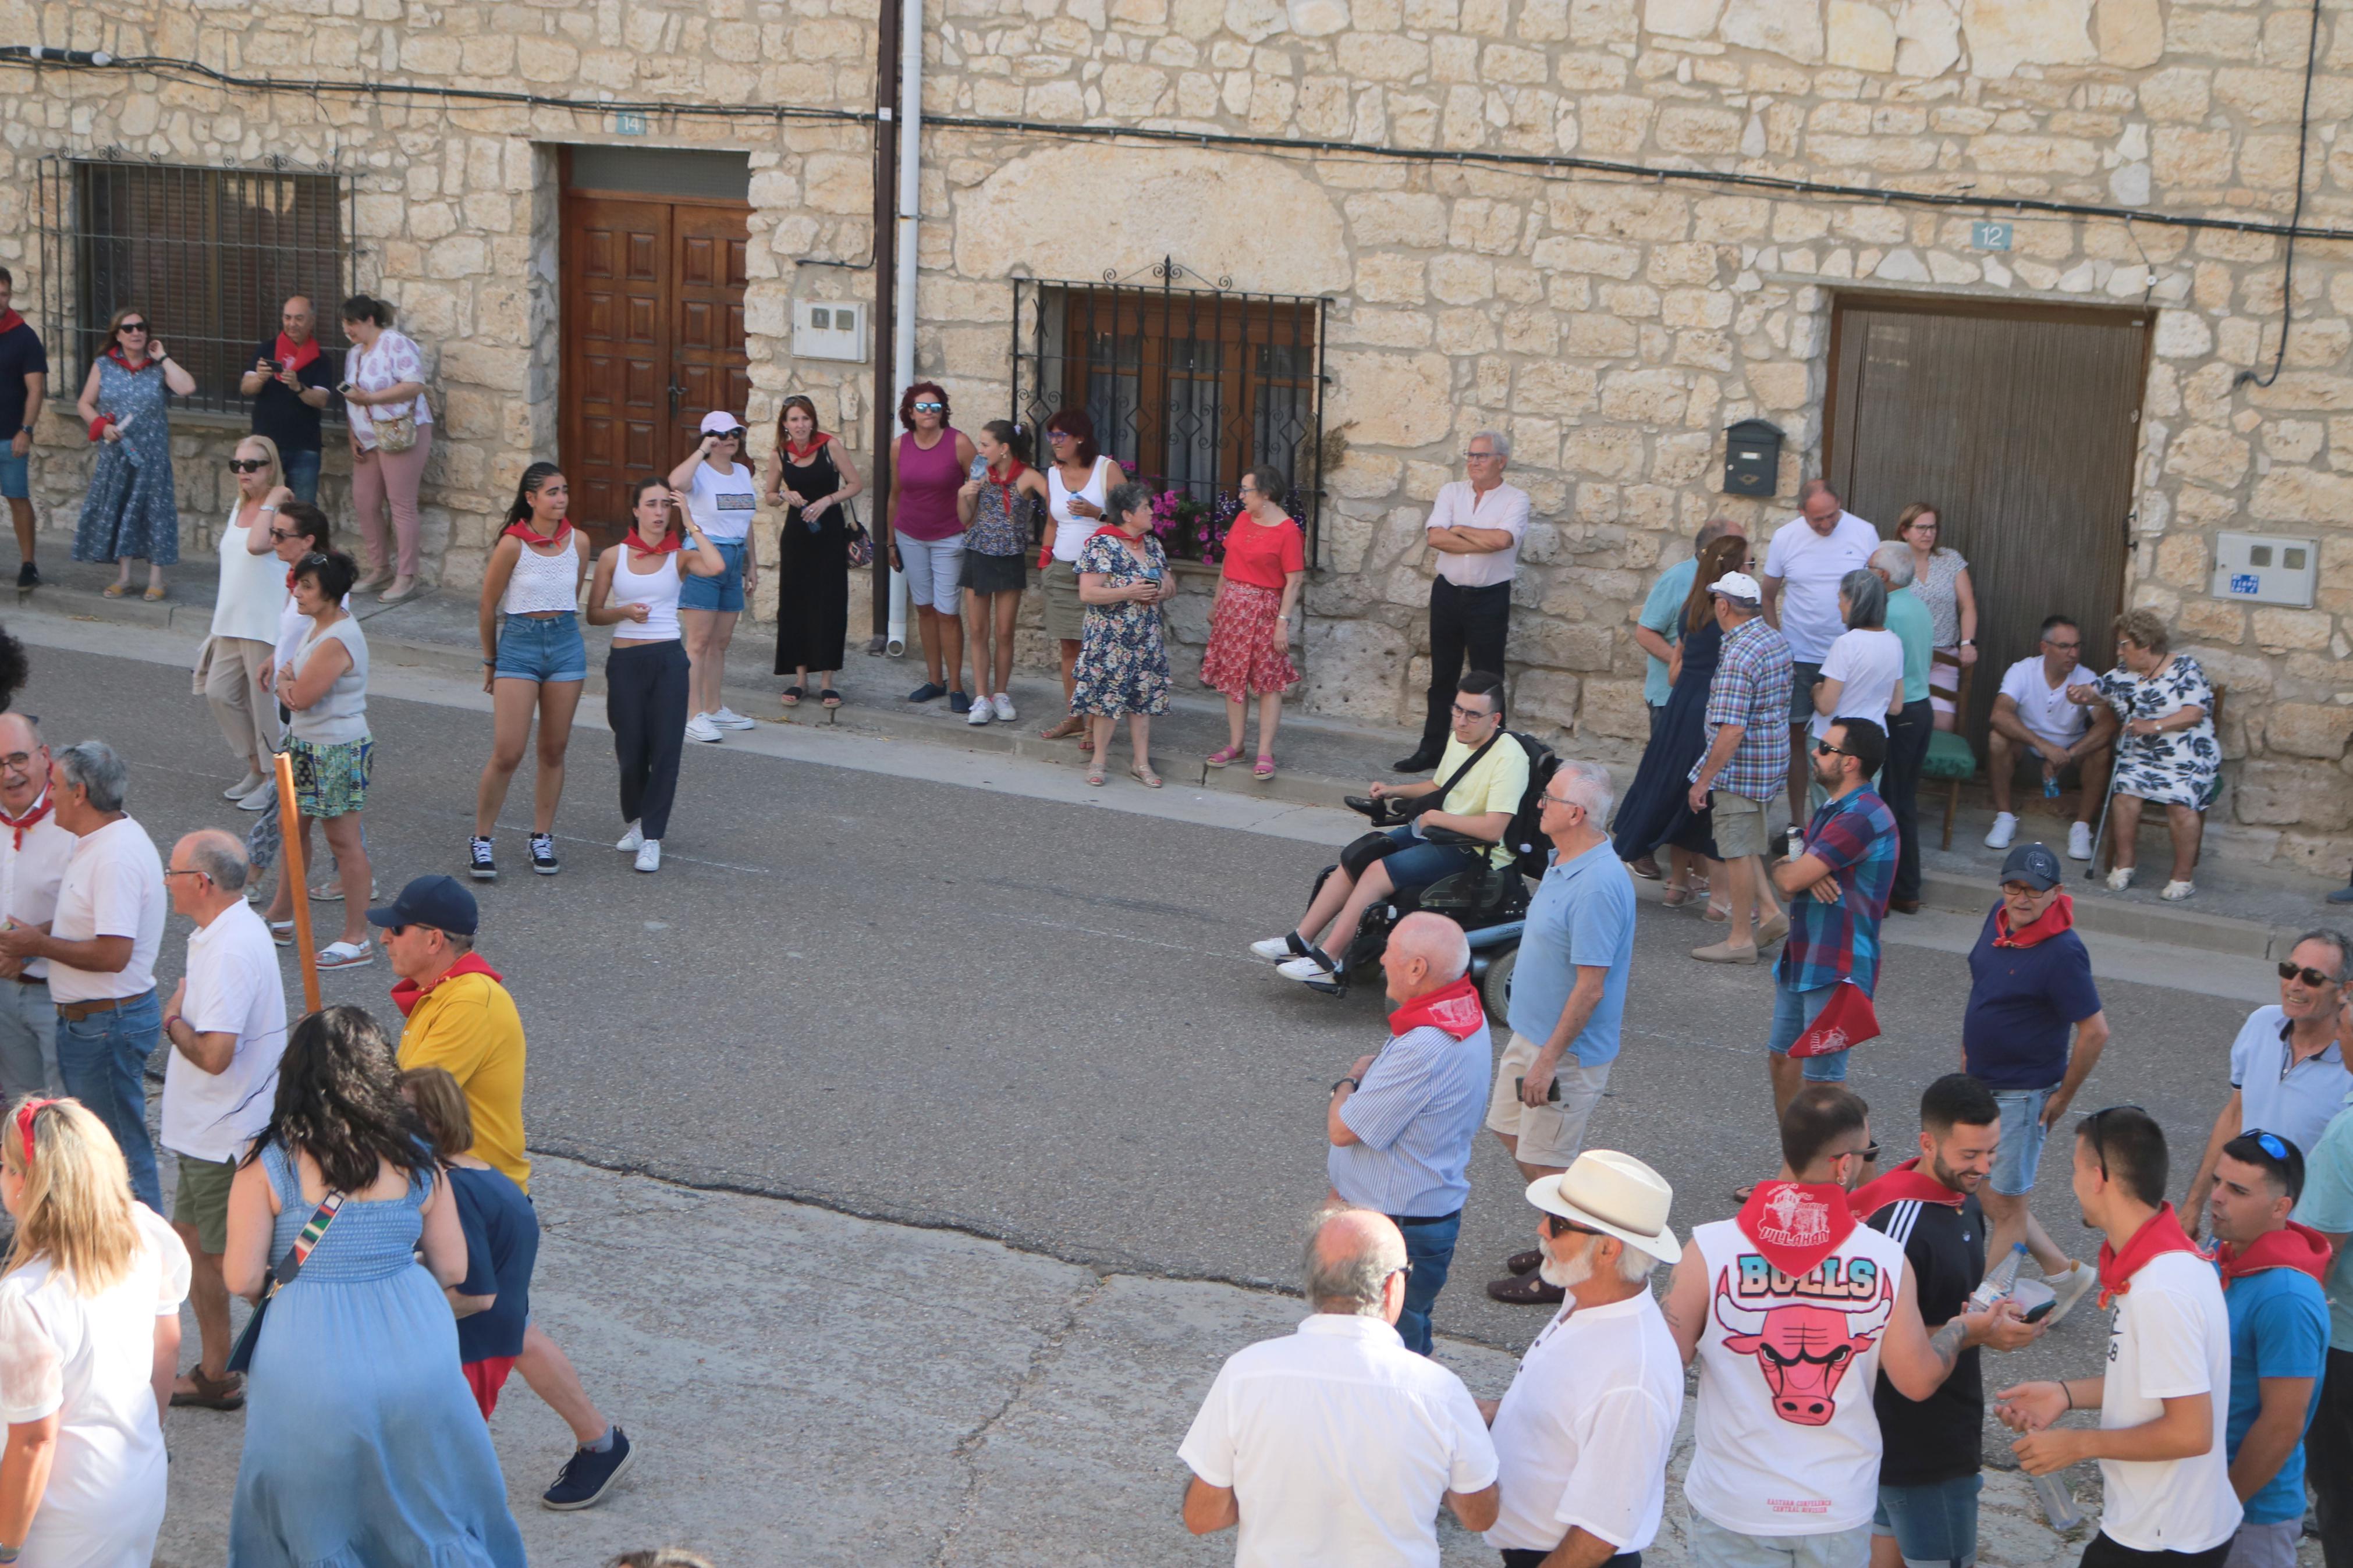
(129, 510)
(2180, 767)
(1122, 661)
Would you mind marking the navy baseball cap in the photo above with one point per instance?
(441, 903)
(2032, 864)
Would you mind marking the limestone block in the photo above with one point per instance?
(2227, 35)
(1602, 451)
(1492, 228)
(1644, 396)
(1552, 387)
(2182, 335)
(2130, 33)
(1612, 126)
(1389, 278)
(1397, 217)
(1355, 670)
(2209, 456)
(1790, 28)
(2212, 621)
(1382, 56)
(2308, 795)
(1597, 336)
(2179, 95)
(1563, 254)
(2302, 495)
(2278, 627)
(1779, 383)
(1860, 36)
(1688, 127)
(2184, 157)
(2006, 34)
(1928, 38)
(1614, 711)
(2304, 389)
(2294, 440)
(1710, 308)
(2308, 730)
(1254, 20)
(1133, 91)
(1318, 18)
(1623, 211)
(1395, 399)
(1682, 18)
(2181, 559)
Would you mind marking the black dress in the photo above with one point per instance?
(812, 572)
(1658, 804)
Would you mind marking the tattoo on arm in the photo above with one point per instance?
(1946, 1343)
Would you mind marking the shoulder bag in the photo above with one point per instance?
(1390, 811)
(860, 542)
(240, 1356)
(397, 433)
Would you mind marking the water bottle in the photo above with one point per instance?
(2059, 1509)
(1999, 1283)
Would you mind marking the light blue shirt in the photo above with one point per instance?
(1582, 914)
(1662, 612)
(1416, 1112)
(1909, 619)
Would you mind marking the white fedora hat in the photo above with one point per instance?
(1616, 1195)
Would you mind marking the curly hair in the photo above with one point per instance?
(2146, 629)
(15, 668)
(921, 389)
(339, 1098)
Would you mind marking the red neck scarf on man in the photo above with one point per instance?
(10, 320)
(2296, 1246)
(2058, 917)
(1453, 1008)
(40, 809)
(1796, 1225)
(408, 993)
(530, 535)
(291, 355)
(1905, 1184)
(800, 454)
(116, 355)
(2162, 1234)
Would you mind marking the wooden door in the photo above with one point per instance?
(2019, 425)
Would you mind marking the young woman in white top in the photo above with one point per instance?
(723, 497)
(1079, 481)
(90, 1334)
(384, 385)
(637, 589)
(533, 659)
(245, 623)
(325, 689)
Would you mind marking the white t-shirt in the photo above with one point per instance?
(234, 987)
(2168, 1337)
(29, 877)
(723, 505)
(1810, 567)
(89, 1360)
(1340, 1445)
(1872, 665)
(1584, 1429)
(2042, 708)
(113, 887)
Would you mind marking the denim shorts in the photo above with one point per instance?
(1801, 691)
(1713, 1546)
(532, 648)
(1934, 1525)
(1793, 1012)
(724, 592)
(2021, 1139)
(16, 475)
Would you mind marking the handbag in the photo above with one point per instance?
(397, 434)
(860, 542)
(240, 1356)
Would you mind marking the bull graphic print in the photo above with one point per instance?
(1804, 1341)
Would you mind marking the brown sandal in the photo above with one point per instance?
(212, 1393)
(1071, 725)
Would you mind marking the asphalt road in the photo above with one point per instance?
(961, 1007)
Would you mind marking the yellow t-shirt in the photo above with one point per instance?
(1497, 783)
(468, 1026)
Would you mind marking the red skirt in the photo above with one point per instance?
(1242, 656)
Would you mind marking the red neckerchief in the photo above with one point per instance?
(293, 356)
(2162, 1234)
(1006, 484)
(1453, 1008)
(116, 355)
(10, 322)
(40, 807)
(670, 541)
(1115, 528)
(2058, 917)
(1796, 1225)
(1905, 1184)
(530, 535)
(803, 454)
(408, 993)
(2296, 1247)
(289, 577)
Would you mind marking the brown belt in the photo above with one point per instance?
(77, 1011)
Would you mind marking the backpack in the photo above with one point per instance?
(1524, 837)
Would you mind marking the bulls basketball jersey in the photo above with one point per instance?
(1787, 1443)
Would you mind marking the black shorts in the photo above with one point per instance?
(2105, 1552)
(996, 574)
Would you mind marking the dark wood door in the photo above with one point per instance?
(652, 330)
(2019, 426)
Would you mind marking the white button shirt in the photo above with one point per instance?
(29, 876)
(1340, 1445)
(1459, 506)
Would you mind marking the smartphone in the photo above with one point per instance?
(1551, 1095)
(2036, 1314)
(272, 366)
(345, 388)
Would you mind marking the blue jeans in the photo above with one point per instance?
(1934, 1525)
(1429, 1247)
(1793, 1011)
(103, 1060)
(1416, 863)
(301, 475)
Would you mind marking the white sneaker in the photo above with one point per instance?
(244, 786)
(1303, 969)
(980, 711)
(1274, 949)
(261, 799)
(728, 719)
(2079, 841)
(649, 854)
(701, 728)
(2120, 878)
(630, 840)
(1003, 703)
(2005, 828)
(2070, 1287)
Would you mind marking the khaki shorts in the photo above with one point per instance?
(1066, 618)
(1547, 1134)
(202, 1201)
(1739, 823)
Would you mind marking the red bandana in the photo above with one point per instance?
(289, 356)
(2161, 1235)
(116, 355)
(1006, 482)
(10, 322)
(803, 454)
(1796, 1225)
(1453, 1008)
(40, 809)
(2296, 1247)
(670, 541)
(408, 993)
(2058, 917)
(1845, 1021)
(1905, 1184)
(530, 535)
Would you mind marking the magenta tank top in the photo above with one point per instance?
(928, 482)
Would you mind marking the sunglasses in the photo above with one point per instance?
(735, 435)
(247, 465)
(2092, 1133)
(929, 407)
(131, 327)
(1824, 749)
(1051, 435)
(2270, 1143)
(2311, 976)
(283, 535)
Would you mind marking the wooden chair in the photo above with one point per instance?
(1950, 757)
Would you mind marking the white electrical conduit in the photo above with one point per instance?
(902, 318)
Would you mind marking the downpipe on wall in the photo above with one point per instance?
(903, 320)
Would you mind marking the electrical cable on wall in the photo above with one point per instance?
(2296, 216)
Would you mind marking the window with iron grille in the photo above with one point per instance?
(208, 255)
(1187, 387)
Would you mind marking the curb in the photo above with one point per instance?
(2225, 934)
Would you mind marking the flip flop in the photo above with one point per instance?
(792, 695)
(115, 590)
(156, 596)
(345, 954)
(282, 933)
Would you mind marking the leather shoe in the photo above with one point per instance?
(1647, 869)
(1521, 1263)
(1527, 1291)
(1420, 763)
(1904, 906)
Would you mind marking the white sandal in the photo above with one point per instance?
(282, 933)
(2177, 891)
(346, 954)
(2120, 878)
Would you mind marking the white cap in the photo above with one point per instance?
(1739, 587)
(721, 422)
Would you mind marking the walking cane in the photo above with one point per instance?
(2116, 768)
(290, 870)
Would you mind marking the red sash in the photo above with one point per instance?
(530, 535)
(2296, 1247)
(2161, 1235)
(2058, 917)
(1905, 1184)
(40, 807)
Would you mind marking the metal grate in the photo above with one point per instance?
(1187, 387)
(209, 255)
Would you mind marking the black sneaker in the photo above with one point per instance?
(28, 576)
(587, 1476)
(1420, 763)
(958, 702)
(929, 691)
(543, 854)
(478, 863)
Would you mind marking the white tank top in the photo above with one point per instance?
(1072, 534)
(1787, 1443)
(543, 583)
(656, 590)
(252, 587)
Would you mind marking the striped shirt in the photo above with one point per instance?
(1752, 690)
(1417, 1115)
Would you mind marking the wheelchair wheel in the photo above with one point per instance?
(1495, 990)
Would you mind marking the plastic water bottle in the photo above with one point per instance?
(1999, 1283)
(2059, 1509)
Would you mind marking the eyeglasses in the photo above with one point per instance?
(190, 871)
(2092, 1133)
(1478, 457)
(1404, 1269)
(17, 762)
(1052, 436)
(283, 535)
(247, 465)
(1469, 715)
(929, 407)
(2289, 970)
(2057, 647)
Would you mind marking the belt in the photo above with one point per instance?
(1402, 1220)
(77, 1011)
(30, 979)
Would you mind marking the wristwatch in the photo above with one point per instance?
(1351, 1082)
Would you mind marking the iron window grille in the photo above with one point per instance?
(208, 255)
(1187, 387)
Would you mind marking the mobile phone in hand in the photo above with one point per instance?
(1552, 1094)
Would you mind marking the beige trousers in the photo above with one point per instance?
(248, 715)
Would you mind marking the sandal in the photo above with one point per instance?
(1069, 726)
(346, 955)
(155, 595)
(1095, 773)
(829, 697)
(1222, 755)
(1676, 897)
(1145, 777)
(115, 590)
(1086, 745)
(1263, 768)
(792, 695)
(1719, 913)
(282, 933)
(227, 1392)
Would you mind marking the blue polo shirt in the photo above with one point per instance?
(1582, 914)
(501, 1249)
(1662, 612)
(2279, 1328)
(1908, 618)
(2022, 1002)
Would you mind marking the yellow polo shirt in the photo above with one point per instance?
(468, 1026)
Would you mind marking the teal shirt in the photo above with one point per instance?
(1907, 617)
(1662, 612)
(2327, 1205)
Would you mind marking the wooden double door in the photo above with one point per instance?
(652, 328)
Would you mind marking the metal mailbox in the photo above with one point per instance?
(1752, 458)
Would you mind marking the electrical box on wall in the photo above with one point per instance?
(829, 329)
(2265, 569)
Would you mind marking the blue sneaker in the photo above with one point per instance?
(587, 1476)
(929, 691)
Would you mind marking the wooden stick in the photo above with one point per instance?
(290, 870)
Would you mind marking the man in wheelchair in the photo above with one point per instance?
(1455, 821)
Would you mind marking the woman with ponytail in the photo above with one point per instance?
(999, 509)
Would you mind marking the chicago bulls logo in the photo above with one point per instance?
(1803, 1350)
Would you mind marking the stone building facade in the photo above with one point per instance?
(1389, 158)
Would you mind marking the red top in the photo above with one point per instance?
(1261, 553)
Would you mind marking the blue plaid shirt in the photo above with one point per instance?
(1752, 690)
(1855, 836)
(1417, 1113)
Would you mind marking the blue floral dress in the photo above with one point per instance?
(1123, 661)
(2180, 767)
(130, 509)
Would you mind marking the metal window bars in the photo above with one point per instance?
(208, 255)
(1187, 387)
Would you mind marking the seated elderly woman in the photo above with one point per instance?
(2166, 754)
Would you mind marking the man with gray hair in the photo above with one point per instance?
(33, 856)
(101, 948)
(1809, 555)
(1476, 525)
(1910, 726)
(1660, 627)
(1336, 1443)
(1402, 1122)
(226, 1024)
